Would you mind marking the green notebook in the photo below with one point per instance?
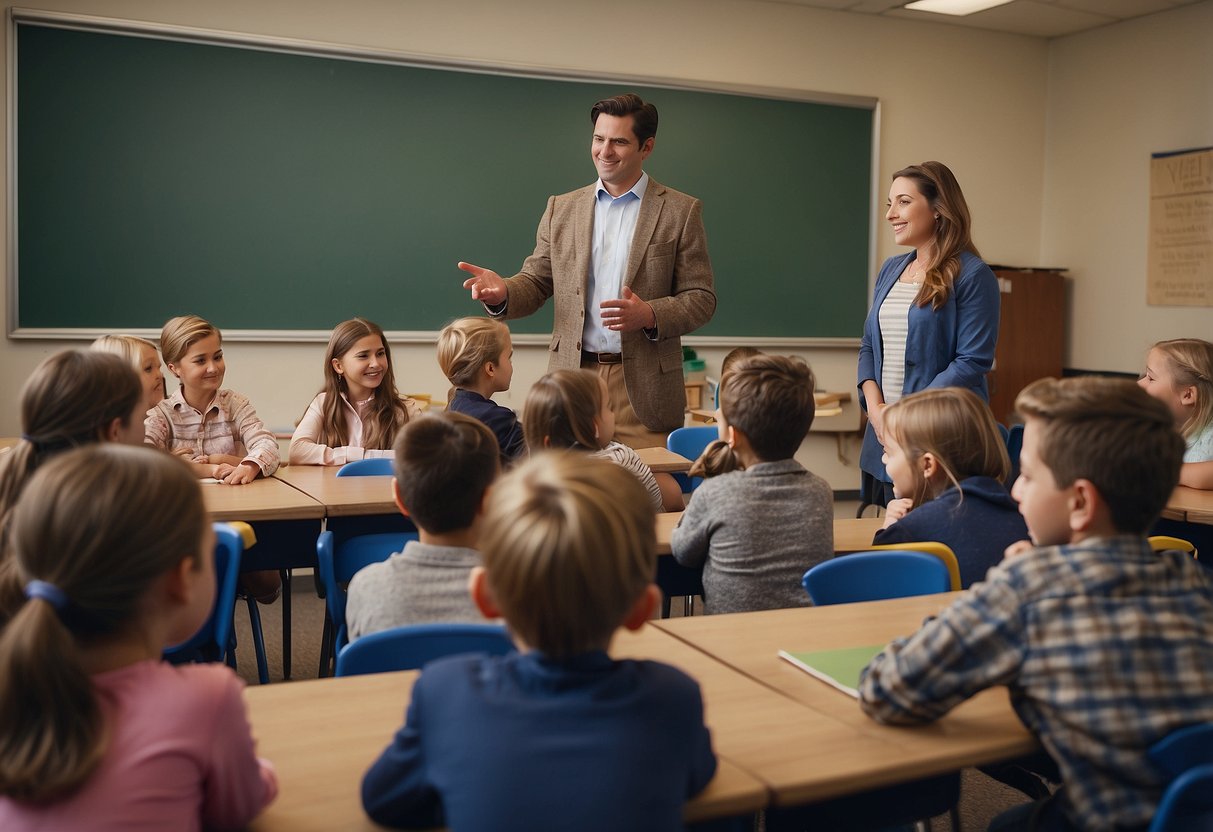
(840, 668)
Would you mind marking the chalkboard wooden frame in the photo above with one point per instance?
(532, 331)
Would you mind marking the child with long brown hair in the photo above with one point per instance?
(572, 409)
(73, 398)
(111, 561)
(359, 412)
(948, 461)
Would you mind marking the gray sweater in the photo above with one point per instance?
(424, 584)
(755, 533)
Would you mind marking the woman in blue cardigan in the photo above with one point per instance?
(934, 315)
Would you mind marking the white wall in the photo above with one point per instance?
(976, 100)
(1116, 95)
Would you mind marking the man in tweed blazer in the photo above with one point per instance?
(624, 318)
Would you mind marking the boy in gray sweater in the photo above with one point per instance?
(755, 532)
(444, 465)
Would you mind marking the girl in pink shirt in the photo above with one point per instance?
(110, 560)
(359, 412)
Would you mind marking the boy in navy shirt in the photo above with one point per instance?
(559, 736)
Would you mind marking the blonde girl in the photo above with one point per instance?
(1179, 373)
(96, 732)
(477, 357)
(72, 398)
(947, 462)
(359, 412)
(571, 409)
(215, 429)
(142, 356)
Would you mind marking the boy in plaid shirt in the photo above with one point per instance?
(1105, 645)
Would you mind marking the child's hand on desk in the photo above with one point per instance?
(240, 474)
(895, 510)
(1018, 548)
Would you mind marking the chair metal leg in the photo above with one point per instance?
(286, 622)
(263, 670)
(688, 605)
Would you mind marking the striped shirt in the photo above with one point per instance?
(1106, 647)
(229, 426)
(621, 454)
(894, 328)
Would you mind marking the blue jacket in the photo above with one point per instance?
(523, 743)
(978, 528)
(952, 346)
(502, 421)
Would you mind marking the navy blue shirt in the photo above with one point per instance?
(977, 529)
(527, 743)
(501, 421)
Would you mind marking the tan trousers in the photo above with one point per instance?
(628, 428)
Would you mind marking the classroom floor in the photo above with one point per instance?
(981, 797)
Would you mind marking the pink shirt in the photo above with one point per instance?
(305, 445)
(230, 425)
(180, 756)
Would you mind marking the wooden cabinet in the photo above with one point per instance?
(1031, 335)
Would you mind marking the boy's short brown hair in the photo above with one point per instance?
(770, 398)
(444, 464)
(1114, 434)
(569, 545)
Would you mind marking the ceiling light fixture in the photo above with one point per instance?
(954, 7)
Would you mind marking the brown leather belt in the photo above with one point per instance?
(601, 357)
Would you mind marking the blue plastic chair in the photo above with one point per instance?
(409, 648)
(336, 565)
(875, 576)
(214, 642)
(1185, 757)
(690, 442)
(380, 466)
(1187, 804)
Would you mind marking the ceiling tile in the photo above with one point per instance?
(1024, 17)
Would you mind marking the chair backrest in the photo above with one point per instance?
(211, 641)
(873, 576)
(690, 442)
(1183, 749)
(337, 564)
(408, 648)
(1164, 542)
(1187, 804)
(380, 466)
(940, 550)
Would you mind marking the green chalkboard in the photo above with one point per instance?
(269, 190)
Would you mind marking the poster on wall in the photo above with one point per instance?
(1180, 263)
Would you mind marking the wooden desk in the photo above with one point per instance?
(341, 497)
(261, 499)
(850, 535)
(1190, 504)
(801, 753)
(664, 461)
(828, 404)
(982, 730)
(323, 734)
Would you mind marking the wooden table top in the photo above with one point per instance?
(262, 499)
(323, 734)
(1191, 504)
(800, 754)
(850, 535)
(664, 461)
(982, 730)
(344, 496)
